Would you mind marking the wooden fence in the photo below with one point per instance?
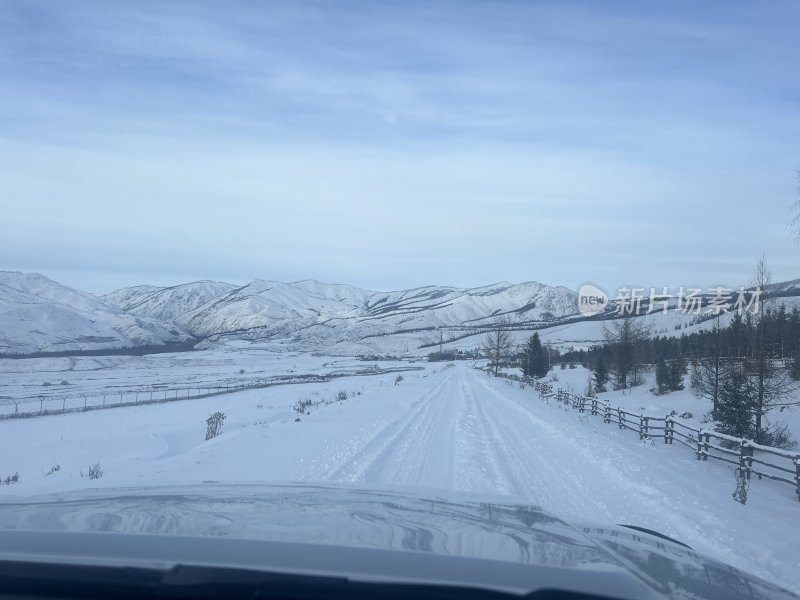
(748, 456)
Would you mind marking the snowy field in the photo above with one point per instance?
(449, 429)
(232, 363)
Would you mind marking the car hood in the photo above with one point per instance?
(365, 533)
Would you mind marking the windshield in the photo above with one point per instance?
(535, 254)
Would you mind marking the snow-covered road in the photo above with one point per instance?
(452, 431)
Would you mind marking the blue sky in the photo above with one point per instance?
(396, 144)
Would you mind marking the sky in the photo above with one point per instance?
(396, 144)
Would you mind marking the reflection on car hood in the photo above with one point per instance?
(518, 548)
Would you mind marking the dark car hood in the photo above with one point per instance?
(372, 534)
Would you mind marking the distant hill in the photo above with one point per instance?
(41, 315)
(38, 314)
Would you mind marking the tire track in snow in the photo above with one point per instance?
(487, 461)
(385, 457)
(538, 472)
(584, 485)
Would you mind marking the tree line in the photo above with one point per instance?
(746, 364)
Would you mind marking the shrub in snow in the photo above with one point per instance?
(302, 405)
(214, 425)
(342, 395)
(398, 379)
(56, 467)
(47, 384)
(11, 479)
(64, 382)
(95, 472)
(241, 371)
(777, 435)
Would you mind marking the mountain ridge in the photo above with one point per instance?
(39, 315)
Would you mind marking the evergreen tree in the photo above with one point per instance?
(735, 408)
(534, 358)
(676, 371)
(600, 375)
(662, 377)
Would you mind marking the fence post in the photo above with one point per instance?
(702, 444)
(668, 430)
(606, 413)
(745, 462)
(63, 405)
(84, 403)
(797, 474)
(619, 417)
(594, 407)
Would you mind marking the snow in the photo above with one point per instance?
(448, 428)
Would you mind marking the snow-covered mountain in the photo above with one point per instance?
(316, 315)
(263, 309)
(167, 303)
(38, 314)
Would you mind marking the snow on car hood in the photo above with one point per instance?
(341, 517)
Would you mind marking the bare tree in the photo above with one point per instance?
(708, 373)
(625, 336)
(761, 363)
(497, 345)
(772, 384)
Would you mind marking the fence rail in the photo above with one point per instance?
(746, 455)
